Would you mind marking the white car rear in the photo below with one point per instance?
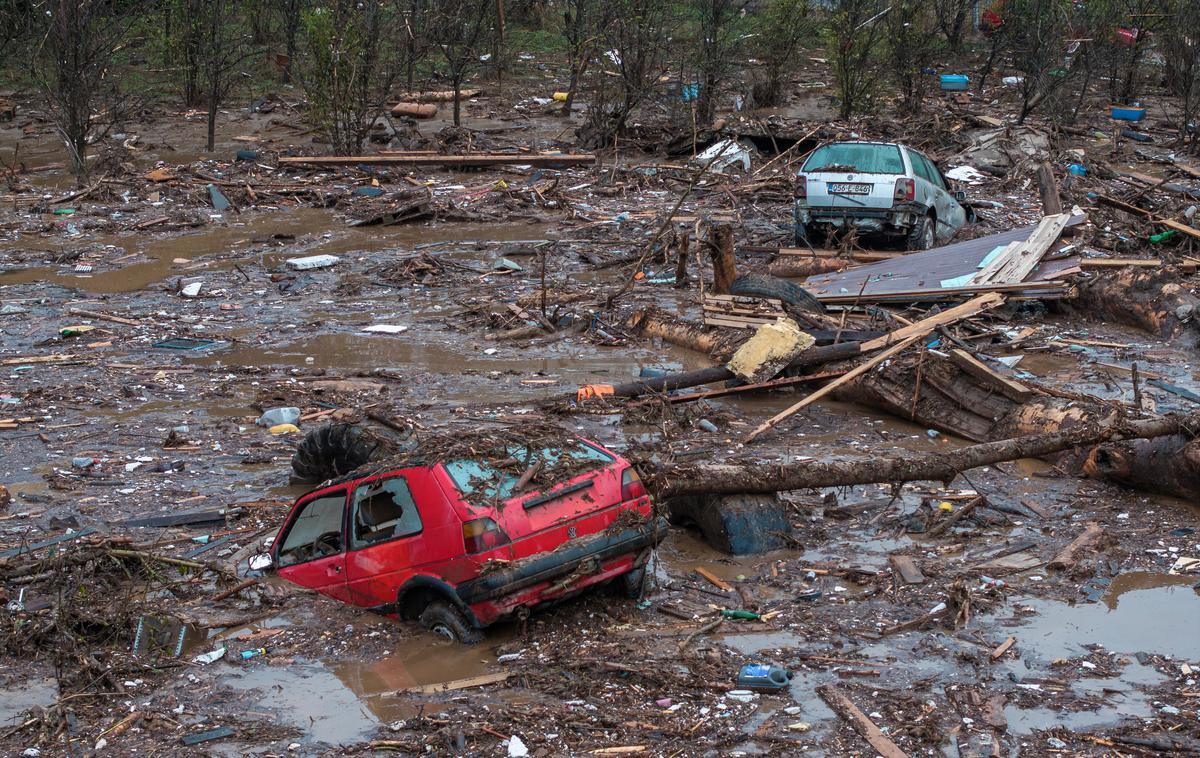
(876, 187)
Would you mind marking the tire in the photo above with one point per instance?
(444, 620)
(759, 285)
(330, 451)
(923, 235)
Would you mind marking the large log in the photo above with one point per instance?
(754, 477)
(655, 322)
(1147, 299)
(810, 358)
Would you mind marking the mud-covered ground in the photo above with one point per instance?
(100, 423)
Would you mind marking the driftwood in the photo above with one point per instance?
(1147, 299)
(720, 249)
(754, 477)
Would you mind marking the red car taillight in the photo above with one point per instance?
(906, 189)
(631, 486)
(800, 192)
(483, 534)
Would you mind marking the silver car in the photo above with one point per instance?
(876, 187)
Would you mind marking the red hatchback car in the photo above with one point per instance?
(465, 541)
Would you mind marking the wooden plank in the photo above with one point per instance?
(949, 316)
(1119, 263)
(842, 705)
(1040, 289)
(39, 359)
(907, 568)
(713, 579)
(1136, 211)
(772, 384)
(1010, 388)
(1002, 648)
(455, 684)
(729, 323)
(856, 255)
(1069, 555)
(1014, 264)
(421, 159)
(854, 373)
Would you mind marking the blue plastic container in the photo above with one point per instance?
(954, 82)
(763, 676)
(1128, 113)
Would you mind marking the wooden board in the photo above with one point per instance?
(925, 326)
(426, 159)
(907, 569)
(842, 705)
(456, 684)
(1010, 388)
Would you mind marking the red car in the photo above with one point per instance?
(463, 542)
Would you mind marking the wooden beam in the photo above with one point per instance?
(925, 326)
(1010, 388)
(1136, 211)
(456, 684)
(854, 373)
(842, 705)
(425, 159)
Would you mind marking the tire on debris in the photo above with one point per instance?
(760, 285)
(332, 450)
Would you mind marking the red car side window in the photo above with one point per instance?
(316, 532)
(383, 510)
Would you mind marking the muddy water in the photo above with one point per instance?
(18, 696)
(317, 232)
(357, 696)
(1142, 612)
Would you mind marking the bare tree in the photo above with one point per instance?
(1181, 49)
(855, 35)
(637, 46)
(72, 67)
(781, 26)
(1143, 19)
(719, 27)
(347, 70)
(911, 47)
(224, 47)
(951, 16)
(460, 29)
(290, 14)
(584, 24)
(413, 19)
(1037, 38)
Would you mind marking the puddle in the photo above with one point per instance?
(355, 696)
(1141, 612)
(317, 232)
(19, 696)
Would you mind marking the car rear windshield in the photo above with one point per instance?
(490, 481)
(859, 157)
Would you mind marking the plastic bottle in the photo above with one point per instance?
(253, 653)
(763, 676)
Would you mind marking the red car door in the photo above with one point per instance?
(400, 524)
(311, 549)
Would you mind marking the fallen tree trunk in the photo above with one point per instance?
(655, 322)
(935, 392)
(801, 266)
(1147, 299)
(814, 356)
(672, 480)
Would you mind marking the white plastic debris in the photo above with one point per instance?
(210, 657)
(312, 261)
(191, 290)
(386, 328)
(723, 155)
(966, 175)
(516, 748)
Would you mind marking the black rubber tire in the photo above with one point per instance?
(443, 619)
(760, 285)
(923, 234)
(330, 451)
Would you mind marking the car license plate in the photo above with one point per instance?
(839, 188)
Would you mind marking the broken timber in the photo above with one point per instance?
(432, 159)
(753, 477)
(842, 705)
